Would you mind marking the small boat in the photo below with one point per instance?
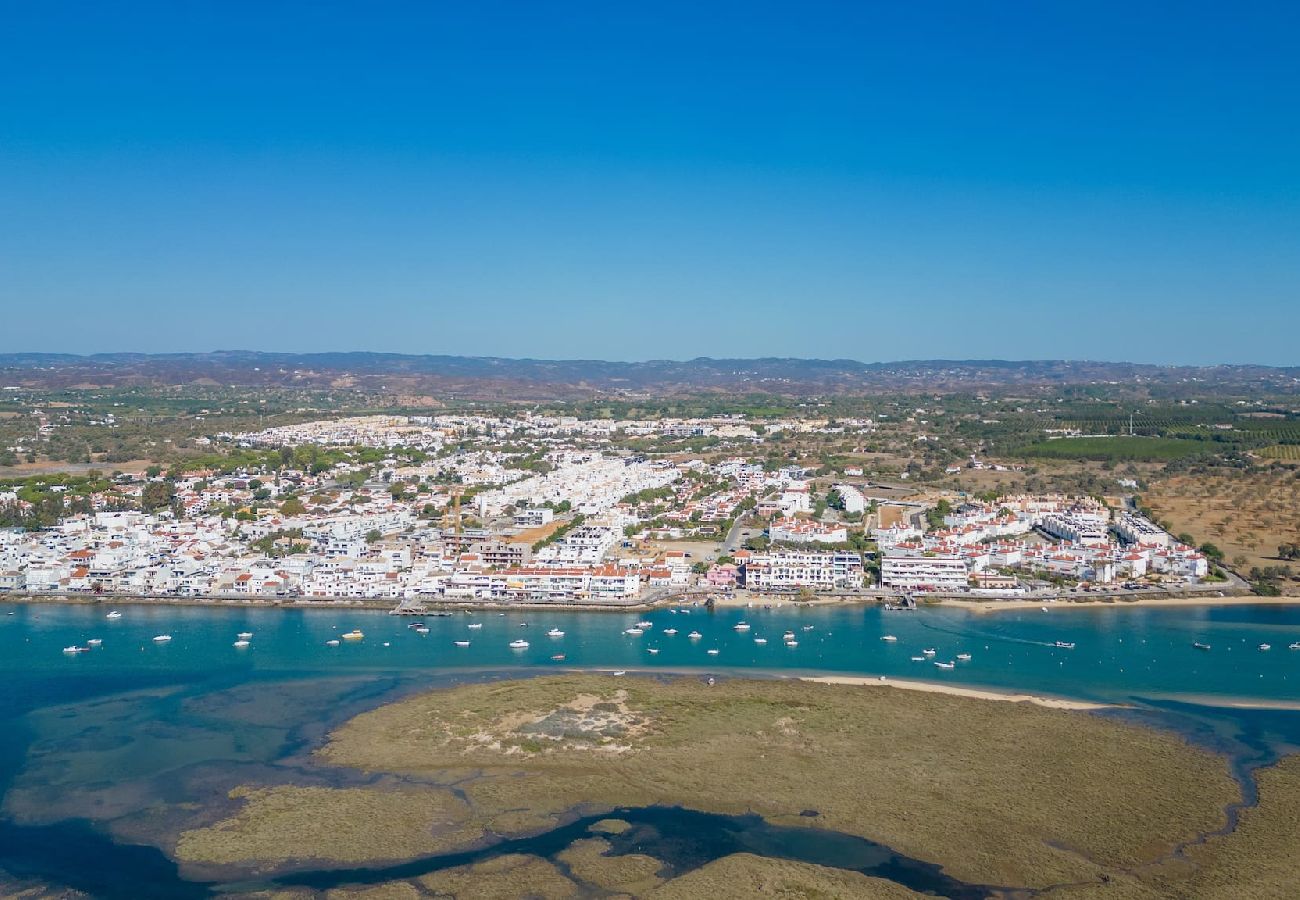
(792, 643)
(695, 635)
(519, 645)
(670, 631)
(1197, 645)
(421, 630)
(653, 651)
(741, 626)
(621, 672)
(918, 659)
(474, 625)
(415, 625)
(712, 651)
(331, 643)
(555, 632)
(94, 642)
(1043, 608)
(929, 652)
(354, 635)
(645, 624)
(760, 640)
(1294, 646)
(788, 636)
(245, 635)
(559, 657)
(386, 644)
(523, 624)
(241, 644)
(1064, 645)
(634, 631)
(888, 637)
(112, 615)
(1266, 646)
(462, 643)
(945, 665)
(808, 627)
(74, 649)
(963, 657)
(162, 638)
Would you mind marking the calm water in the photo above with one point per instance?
(110, 750)
(1119, 653)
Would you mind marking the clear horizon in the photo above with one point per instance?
(655, 359)
(579, 181)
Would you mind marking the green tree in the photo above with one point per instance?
(156, 495)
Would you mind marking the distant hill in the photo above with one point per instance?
(485, 377)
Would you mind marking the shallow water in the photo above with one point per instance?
(115, 750)
(1118, 653)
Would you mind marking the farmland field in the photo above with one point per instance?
(1118, 448)
(1247, 513)
(1286, 452)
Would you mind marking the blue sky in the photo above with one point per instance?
(661, 180)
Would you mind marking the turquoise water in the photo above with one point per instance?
(1118, 653)
(115, 750)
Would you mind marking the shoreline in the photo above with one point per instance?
(988, 606)
(934, 687)
(782, 602)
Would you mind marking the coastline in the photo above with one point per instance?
(740, 602)
(933, 687)
(988, 606)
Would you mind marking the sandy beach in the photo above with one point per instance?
(930, 687)
(986, 606)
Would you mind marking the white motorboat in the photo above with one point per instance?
(644, 624)
(808, 627)
(559, 657)
(634, 631)
(355, 634)
(423, 629)
(621, 672)
(555, 632)
(241, 644)
(670, 631)
(888, 637)
(245, 635)
(792, 643)
(519, 645)
(474, 625)
(162, 638)
(653, 651)
(1294, 646)
(462, 643)
(94, 642)
(331, 643)
(930, 651)
(713, 651)
(945, 665)
(1266, 646)
(1064, 645)
(760, 640)
(113, 615)
(74, 649)
(695, 635)
(963, 657)
(918, 659)
(741, 626)
(788, 636)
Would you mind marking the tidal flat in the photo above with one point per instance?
(1001, 796)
